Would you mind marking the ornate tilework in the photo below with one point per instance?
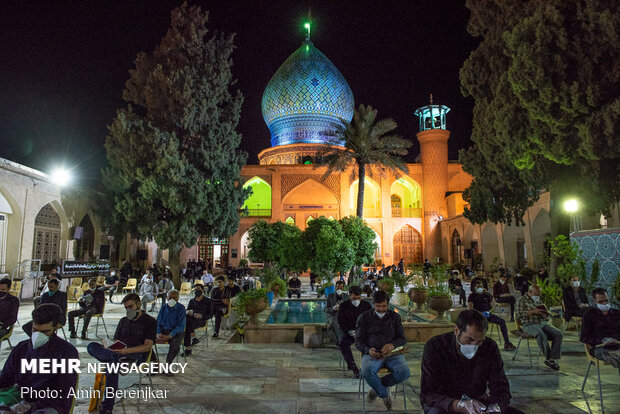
(291, 181)
(603, 245)
(307, 99)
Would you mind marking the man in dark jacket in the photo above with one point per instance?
(55, 296)
(600, 329)
(9, 307)
(349, 312)
(463, 362)
(332, 305)
(378, 333)
(199, 311)
(575, 299)
(91, 303)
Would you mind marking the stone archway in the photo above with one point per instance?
(457, 247)
(407, 244)
(85, 244)
(47, 228)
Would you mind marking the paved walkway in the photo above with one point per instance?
(287, 378)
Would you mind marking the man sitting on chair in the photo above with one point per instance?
(163, 287)
(148, 292)
(331, 307)
(533, 315)
(463, 362)
(91, 303)
(208, 280)
(137, 330)
(111, 284)
(575, 299)
(55, 296)
(348, 313)
(9, 307)
(294, 286)
(378, 333)
(198, 313)
(600, 328)
(456, 287)
(44, 344)
(483, 302)
(219, 300)
(171, 326)
(501, 294)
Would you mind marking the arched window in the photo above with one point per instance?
(307, 160)
(406, 198)
(259, 202)
(290, 221)
(310, 218)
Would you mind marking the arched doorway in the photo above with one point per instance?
(47, 235)
(259, 202)
(85, 243)
(213, 251)
(457, 247)
(396, 206)
(409, 195)
(408, 245)
(378, 249)
(245, 245)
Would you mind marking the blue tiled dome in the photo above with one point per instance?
(306, 99)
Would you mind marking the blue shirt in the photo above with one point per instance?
(55, 348)
(171, 319)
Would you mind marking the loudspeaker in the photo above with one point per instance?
(79, 231)
(468, 253)
(104, 252)
(143, 254)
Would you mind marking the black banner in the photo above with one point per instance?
(69, 267)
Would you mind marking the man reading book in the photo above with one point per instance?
(137, 330)
(91, 303)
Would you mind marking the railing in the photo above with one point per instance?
(407, 212)
(372, 212)
(258, 212)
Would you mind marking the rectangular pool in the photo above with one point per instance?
(313, 311)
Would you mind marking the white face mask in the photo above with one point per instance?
(535, 298)
(112, 273)
(339, 292)
(380, 315)
(468, 351)
(479, 290)
(603, 308)
(355, 303)
(172, 302)
(576, 283)
(502, 281)
(39, 339)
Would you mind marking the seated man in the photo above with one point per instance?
(521, 283)
(348, 313)
(501, 294)
(219, 302)
(90, 303)
(148, 293)
(533, 315)
(482, 280)
(575, 299)
(137, 330)
(208, 280)
(483, 302)
(55, 296)
(233, 289)
(600, 328)
(52, 276)
(171, 326)
(9, 307)
(163, 287)
(294, 286)
(198, 313)
(456, 287)
(111, 284)
(463, 362)
(378, 333)
(44, 344)
(331, 307)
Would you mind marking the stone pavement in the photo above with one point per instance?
(287, 378)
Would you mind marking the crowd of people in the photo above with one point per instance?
(465, 362)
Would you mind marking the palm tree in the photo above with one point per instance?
(366, 142)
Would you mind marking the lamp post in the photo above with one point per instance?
(571, 206)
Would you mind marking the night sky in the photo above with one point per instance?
(63, 65)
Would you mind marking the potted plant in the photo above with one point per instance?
(251, 303)
(401, 280)
(439, 300)
(387, 285)
(418, 295)
(243, 263)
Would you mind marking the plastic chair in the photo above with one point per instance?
(147, 361)
(495, 327)
(361, 388)
(16, 289)
(577, 320)
(185, 290)
(592, 360)
(73, 294)
(85, 286)
(132, 283)
(522, 335)
(100, 280)
(98, 316)
(7, 337)
(76, 281)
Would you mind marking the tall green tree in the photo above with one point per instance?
(367, 142)
(545, 83)
(276, 243)
(327, 248)
(174, 163)
(362, 239)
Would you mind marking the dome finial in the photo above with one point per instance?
(308, 24)
(431, 98)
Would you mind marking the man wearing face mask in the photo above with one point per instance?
(111, 284)
(575, 299)
(348, 313)
(90, 303)
(333, 305)
(219, 300)
(456, 287)
(52, 276)
(533, 316)
(55, 296)
(148, 293)
(600, 328)
(377, 334)
(137, 330)
(501, 294)
(483, 302)
(44, 344)
(9, 307)
(164, 287)
(464, 362)
(171, 326)
(197, 314)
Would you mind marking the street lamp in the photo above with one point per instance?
(571, 206)
(61, 177)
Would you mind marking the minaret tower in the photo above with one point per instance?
(433, 138)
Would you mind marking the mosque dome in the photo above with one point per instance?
(307, 99)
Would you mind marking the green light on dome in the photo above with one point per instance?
(307, 26)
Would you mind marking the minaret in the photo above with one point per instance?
(433, 138)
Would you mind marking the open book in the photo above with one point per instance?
(109, 344)
(397, 351)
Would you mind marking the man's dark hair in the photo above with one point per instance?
(471, 317)
(222, 278)
(355, 290)
(380, 297)
(199, 285)
(46, 313)
(53, 282)
(131, 296)
(93, 280)
(6, 281)
(598, 291)
(340, 282)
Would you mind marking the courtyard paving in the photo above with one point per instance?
(226, 377)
